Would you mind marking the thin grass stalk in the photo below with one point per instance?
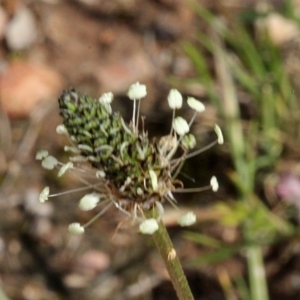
(257, 276)
(230, 112)
(247, 50)
(265, 79)
(242, 288)
(243, 77)
(204, 76)
(268, 110)
(238, 145)
(226, 284)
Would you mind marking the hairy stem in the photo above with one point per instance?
(166, 249)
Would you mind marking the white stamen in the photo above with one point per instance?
(64, 168)
(76, 228)
(44, 194)
(187, 219)
(181, 126)
(137, 91)
(189, 141)
(219, 134)
(49, 162)
(106, 98)
(174, 99)
(41, 154)
(214, 184)
(149, 226)
(61, 129)
(89, 201)
(100, 174)
(195, 104)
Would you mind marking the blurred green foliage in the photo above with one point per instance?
(245, 79)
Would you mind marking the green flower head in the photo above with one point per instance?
(133, 172)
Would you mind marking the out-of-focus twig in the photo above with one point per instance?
(24, 150)
(5, 133)
(3, 296)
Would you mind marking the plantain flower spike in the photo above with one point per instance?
(117, 162)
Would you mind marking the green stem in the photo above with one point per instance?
(3, 296)
(165, 247)
(257, 276)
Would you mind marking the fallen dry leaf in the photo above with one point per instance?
(281, 30)
(24, 84)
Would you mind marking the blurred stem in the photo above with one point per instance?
(3, 296)
(165, 247)
(257, 276)
(231, 114)
(239, 149)
(226, 284)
